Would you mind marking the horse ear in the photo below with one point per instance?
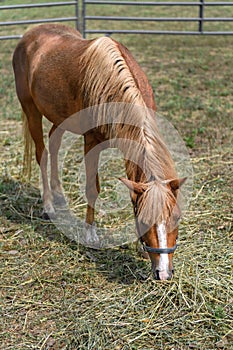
(177, 183)
(137, 188)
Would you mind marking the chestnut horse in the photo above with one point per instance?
(57, 75)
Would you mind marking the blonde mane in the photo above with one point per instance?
(123, 117)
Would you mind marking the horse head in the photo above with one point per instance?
(157, 216)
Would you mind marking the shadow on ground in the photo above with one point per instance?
(20, 203)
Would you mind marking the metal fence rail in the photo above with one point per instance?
(82, 18)
(200, 20)
(74, 18)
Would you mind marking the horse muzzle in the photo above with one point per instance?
(160, 268)
(164, 275)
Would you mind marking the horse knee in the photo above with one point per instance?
(92, 193)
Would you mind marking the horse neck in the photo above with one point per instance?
(145, 170)
(134, 172)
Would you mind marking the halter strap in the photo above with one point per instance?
(158, 250)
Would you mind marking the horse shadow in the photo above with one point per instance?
(20, 203)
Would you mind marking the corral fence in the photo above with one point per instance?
(198, 7)
(45, 5)
(105, 24)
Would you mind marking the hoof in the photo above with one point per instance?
(48, 216)
(91, 238)
(45, 216)
(59, 200)
(48, 212)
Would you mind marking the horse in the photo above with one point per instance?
(58, 74)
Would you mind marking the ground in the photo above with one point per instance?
(56, 294)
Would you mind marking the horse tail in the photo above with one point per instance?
(28, 148)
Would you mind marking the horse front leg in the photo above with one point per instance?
(91, 152)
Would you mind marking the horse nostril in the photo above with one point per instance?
(171, 274)
(156, 274)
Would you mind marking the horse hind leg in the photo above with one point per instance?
(34, 119)
(55, 138)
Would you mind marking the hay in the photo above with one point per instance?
(58, 295)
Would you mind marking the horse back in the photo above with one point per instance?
(49, 70)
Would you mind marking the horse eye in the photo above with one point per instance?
(176, 218)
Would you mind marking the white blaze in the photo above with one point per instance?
(163, 261)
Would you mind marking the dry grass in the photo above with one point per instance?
(57, 295)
